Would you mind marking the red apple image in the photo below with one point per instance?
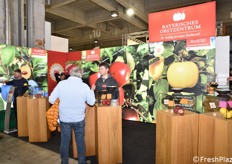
(93, 78)
(68, 69)
(120, 72)
(130, 114)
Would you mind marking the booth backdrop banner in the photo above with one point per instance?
(73, 56)
(56, 63)
(166, 53)
(32, 62)
(183, 23)
(59, 62)
(135, 58)
(148, 82)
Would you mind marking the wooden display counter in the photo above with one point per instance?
(176, 137)
(90, 119)
(37, 122)
(22, 118)
(109, 134)
(215, 134)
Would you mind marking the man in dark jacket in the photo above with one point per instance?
(20, 84)
(105, 80)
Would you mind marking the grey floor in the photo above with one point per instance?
(16, 151)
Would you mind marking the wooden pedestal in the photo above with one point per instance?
(109, 134)
(215, 134)
(176, 137)
(90, 119)
(22, 118)
(37, 123)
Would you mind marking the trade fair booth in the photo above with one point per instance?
(177, 81)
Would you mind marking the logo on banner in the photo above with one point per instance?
(179, 16)
(93, 55)
(200, 43)
(38, 52)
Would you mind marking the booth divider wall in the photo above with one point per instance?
(56, 63)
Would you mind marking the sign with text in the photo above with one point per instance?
(200, 43)
(92, 55)
(183, 23)
(38, 52)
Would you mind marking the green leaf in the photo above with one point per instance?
(37, 61)
(201, 52)
(211, 54)
(168, 50)
(130, 61)
(2, 70)
(1, 104)
(8, 55)
(160, 87)
(107, 53)
(143, 48)
(94, 68)
(45, 85)
(164, 73)
(203, 79)
(39, 72)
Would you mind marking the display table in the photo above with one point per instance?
(37, 122)
(176, 137)
(215, 134)
(109, 134)
(22, 118)
(90, 119)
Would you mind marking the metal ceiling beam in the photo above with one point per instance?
(69, 13)
(137, 8)
(111, 6)
(60, 26)
(79, 18)
(59, 3)
(104, 36)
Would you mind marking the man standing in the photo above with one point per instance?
(73, 95)
(105, 80)
(21, 86)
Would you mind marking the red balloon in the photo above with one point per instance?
(120, 72)
(93, 78)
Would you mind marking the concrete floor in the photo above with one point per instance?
(16, 151)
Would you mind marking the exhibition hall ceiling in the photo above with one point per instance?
(86, 21)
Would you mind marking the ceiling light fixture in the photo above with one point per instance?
(96, 41)
(114, 14)
(130, 11)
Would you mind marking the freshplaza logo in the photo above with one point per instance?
(200, 159)
(178, 16)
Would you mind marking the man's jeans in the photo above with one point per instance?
(79, 130)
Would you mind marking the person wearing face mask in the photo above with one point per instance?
(20, 84)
